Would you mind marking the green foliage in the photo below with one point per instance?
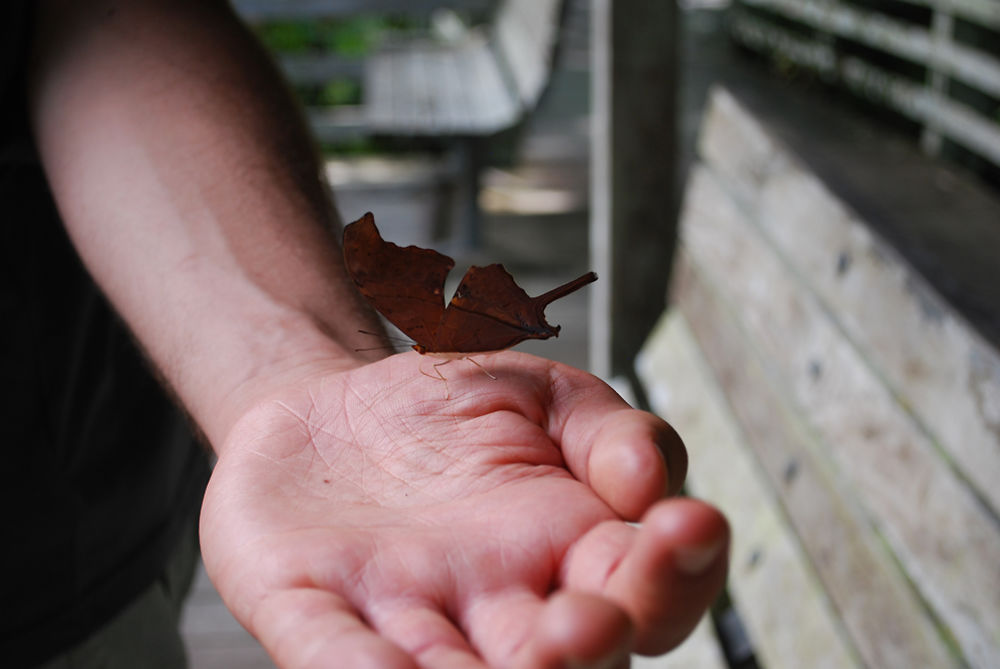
(340, 92)
(359, 146)
(351, 38)
(285, 36)
(354, 36)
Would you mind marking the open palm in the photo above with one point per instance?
(385, 517)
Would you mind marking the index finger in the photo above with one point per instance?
(630, 458)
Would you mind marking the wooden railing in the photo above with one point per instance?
(931, 53)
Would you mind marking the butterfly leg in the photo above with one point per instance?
(437, 372)
(485, 371)
(439, 375)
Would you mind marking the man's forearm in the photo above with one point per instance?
(189, 185)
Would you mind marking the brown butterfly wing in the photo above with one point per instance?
(490, 312)
(404, 284)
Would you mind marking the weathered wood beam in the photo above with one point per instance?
(772, 582)
(939, 530)
(635, 148)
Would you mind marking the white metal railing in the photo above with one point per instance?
(935, 47)
(983, 12)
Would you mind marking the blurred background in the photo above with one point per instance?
(794, 210)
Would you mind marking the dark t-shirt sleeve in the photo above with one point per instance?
(101, 471)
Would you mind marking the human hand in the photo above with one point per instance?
(382, 517)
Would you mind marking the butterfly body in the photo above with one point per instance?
(489, 311)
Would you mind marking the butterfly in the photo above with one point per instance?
(488, 312)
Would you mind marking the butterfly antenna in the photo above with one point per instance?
(384, 347)
(567, 288)
(392, 341)
(383, 335)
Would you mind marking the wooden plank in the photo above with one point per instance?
(431, 107)
(940, 220)
(882, 613)
(635, 51)
(456, 109)
(411, 89)
(934, 362)
(493, 105)
(376, 93)
(338, 123)
(525, 35)
(892, 314)
(942, 535)
(754, 153)
(599, 235)
(786, 611)
(438, 90)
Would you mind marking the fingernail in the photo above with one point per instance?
(694, 560)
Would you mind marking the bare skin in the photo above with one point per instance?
(361, 514)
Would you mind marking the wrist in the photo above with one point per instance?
(288, 353)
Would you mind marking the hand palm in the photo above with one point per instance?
(441, 513)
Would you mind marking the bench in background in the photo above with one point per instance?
(843, 415)
(462, 91)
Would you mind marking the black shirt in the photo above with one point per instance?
(101, 473)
